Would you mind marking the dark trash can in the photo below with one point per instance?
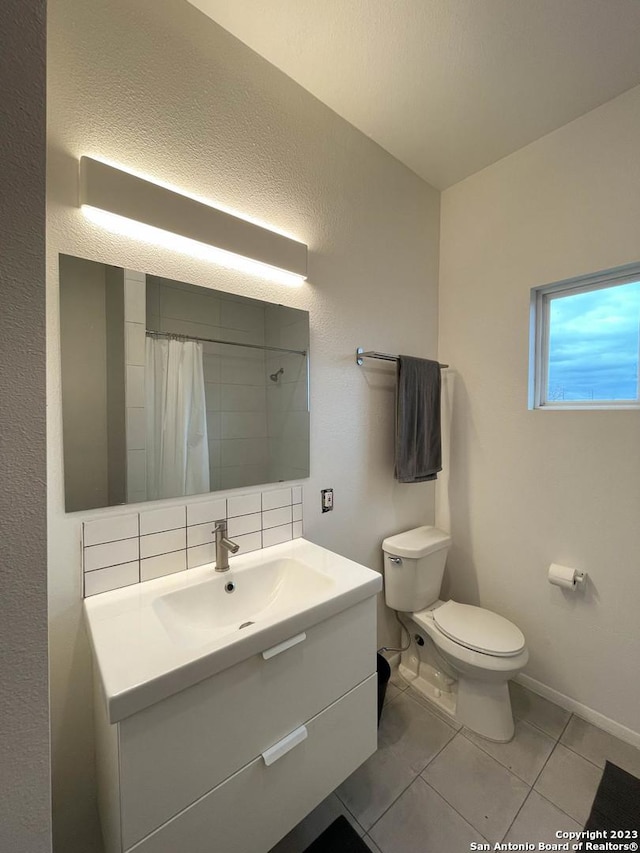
(384, 673)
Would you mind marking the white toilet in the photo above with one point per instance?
(460, 657)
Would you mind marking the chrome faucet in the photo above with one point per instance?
(223, 546)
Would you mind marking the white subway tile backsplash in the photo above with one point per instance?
(276, 517)
(276, 498)
(101, 556)
(124, 549)
(207, 511)
(100, 530)
(249, 542)
(200, 534)
(163, 543)
(276, 535)
(244, 504)
(244, 524)
(158, 520)
(104, 580)
(201, 555)
(165, 564)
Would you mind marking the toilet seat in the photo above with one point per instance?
(479, 629)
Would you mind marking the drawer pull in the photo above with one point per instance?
(284, 746)
(282, 647)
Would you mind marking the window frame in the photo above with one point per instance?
(541, 298)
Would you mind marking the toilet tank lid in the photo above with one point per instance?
(416, 543)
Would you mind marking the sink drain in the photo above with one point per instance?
(229, 587)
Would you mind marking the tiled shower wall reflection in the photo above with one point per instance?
(257, 428)
(287, 395)
(128, 549)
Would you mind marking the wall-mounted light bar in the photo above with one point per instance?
(126, 196)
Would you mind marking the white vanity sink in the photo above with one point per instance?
(246, 595)
(154, 639)
(218, 703)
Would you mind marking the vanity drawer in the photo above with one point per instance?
(253, 809)
(177, 750)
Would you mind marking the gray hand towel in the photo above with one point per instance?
(418, 442)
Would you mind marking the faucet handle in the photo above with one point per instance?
(220, 525)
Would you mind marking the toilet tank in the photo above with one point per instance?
(413, 567)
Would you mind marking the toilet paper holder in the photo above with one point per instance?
(566, 577)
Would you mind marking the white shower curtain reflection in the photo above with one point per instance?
(177, 448)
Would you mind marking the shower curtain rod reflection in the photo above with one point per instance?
(176, 336)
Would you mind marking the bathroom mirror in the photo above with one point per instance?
(170, 389)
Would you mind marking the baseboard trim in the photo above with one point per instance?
(588, 714)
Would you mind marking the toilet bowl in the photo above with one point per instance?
(460, 657)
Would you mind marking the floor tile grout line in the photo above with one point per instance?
(504, 766)
(515, 817)
(575, 751)
(539, 728)
(598, 728)
(556, 740)
(436, 754)
(348, 810)
(461, 732)
(406, 788)
(451, 806)
(580, 755)
(417, 776)
(517, 775)
(550, 754)
(540, 794)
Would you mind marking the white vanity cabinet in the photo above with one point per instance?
(231, 763)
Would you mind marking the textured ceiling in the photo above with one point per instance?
(447, 86)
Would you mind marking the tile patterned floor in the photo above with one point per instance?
(435, 787)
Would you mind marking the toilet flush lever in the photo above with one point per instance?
(397, 561)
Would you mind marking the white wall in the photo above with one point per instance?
(25, 820)
(161, 89)
(531, 487)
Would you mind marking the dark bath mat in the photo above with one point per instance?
(338, 837)
(617, 802)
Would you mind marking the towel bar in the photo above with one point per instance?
(384, 356)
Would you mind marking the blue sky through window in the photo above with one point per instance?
(593, 344)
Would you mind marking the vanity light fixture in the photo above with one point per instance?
(129, 204)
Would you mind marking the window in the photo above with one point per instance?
(585, 342)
